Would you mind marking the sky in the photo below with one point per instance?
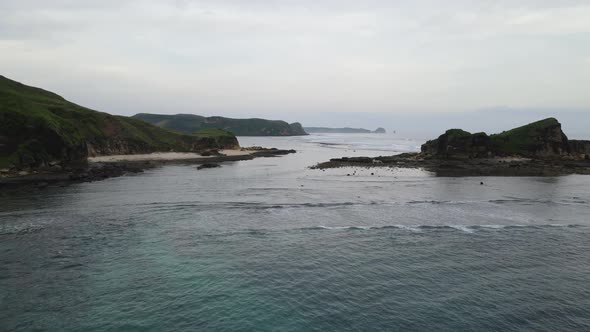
(297, 59)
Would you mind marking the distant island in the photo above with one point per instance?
(190, 123)
(346, 130)
(537, 149)
(42, 133)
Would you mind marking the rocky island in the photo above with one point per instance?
(537, 149)
(45, 138)
(190, 123)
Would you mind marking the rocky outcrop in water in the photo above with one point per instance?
(537, 149)
(580, 149)
(541, 139)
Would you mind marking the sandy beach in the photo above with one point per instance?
(162, 156)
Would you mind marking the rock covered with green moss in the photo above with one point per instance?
(189, 123)
(541, 139)
(40, 128)
(459, 143)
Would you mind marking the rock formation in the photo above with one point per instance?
(541, 139)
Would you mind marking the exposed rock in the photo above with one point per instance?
(459, 144)
(380, 131)
(537, 149)
(208, 153)
(542, 139)
(297, 129)
(271, 152)
(208, 165)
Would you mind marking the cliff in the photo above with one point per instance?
(541, 139)
(190, 123)
(39, 128)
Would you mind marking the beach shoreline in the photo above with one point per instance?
(104, 167)
(166, 156)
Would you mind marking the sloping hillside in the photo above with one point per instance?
(38, 127)
(541, 139)
(190, 123)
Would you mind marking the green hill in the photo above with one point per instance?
(189, 123)
(541, 139)
(38, 127)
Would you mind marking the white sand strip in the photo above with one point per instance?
(162, 156)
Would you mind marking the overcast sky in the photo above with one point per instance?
(249, 57)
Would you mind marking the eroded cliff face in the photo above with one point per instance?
(542, 139)
(457, 143)
(119, 146)
(579, 148)
(297, 129)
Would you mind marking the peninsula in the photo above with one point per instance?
(537, 149)
(190, 123)
(44, 137)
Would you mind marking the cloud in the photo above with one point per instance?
(233, 55)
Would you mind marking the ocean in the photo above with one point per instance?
(271, 245)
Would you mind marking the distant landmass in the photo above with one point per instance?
(190, 123)
(39, 128)
(345, 130)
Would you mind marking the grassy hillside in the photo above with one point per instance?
(538, 139)
(189, 123)
(38, 126)
(529, 137)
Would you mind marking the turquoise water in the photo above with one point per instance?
(270, 245)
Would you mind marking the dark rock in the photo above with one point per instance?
(541, 139)
(208, 165)
(579, 148)
(212, 152)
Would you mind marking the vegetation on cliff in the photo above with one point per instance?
(38, 127)
(190, 123)
(541, 139)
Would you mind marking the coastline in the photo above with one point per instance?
(165, 156)
(104, 167)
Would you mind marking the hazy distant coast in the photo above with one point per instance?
(190, 123)
(345, 130)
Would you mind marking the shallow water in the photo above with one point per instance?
(269, 244)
